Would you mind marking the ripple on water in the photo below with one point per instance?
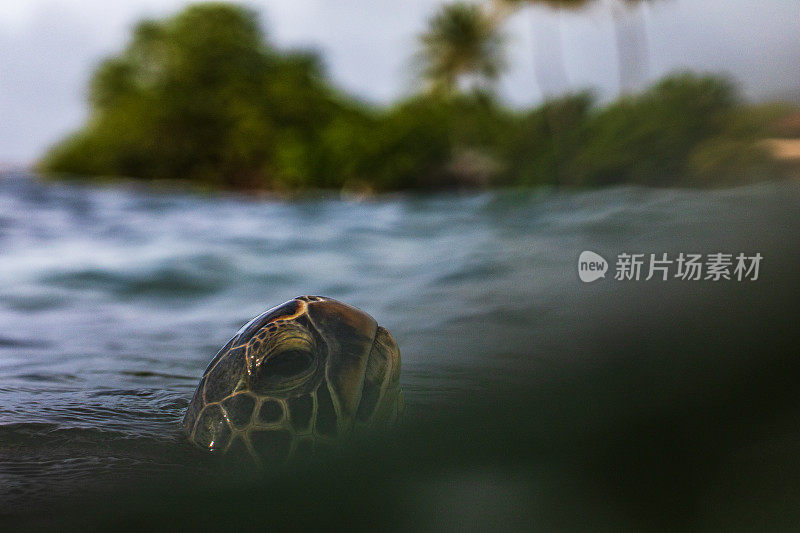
(31, 303)
(172, 279)
(8, 342)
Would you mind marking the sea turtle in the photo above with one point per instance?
(299, 375)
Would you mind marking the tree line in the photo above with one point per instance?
(203, 97)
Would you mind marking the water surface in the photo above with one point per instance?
(113, 299)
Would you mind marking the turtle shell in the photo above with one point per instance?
(299, 375)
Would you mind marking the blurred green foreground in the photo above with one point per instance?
(203, 97)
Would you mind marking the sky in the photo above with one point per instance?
(48, 49)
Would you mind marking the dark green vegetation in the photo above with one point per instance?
(202, 97)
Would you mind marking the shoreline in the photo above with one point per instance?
(169, 187)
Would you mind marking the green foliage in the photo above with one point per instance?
(410, 147)
(737, 154)
(462, 41)
(647, 138)
(545, 140)
(202, 97)
(729, 161)
(686, 130)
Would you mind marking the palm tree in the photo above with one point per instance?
(551, 76)
(632, 46)
(630, 37)
(462, 46)
(548, 57)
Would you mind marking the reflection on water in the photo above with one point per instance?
(113, 300)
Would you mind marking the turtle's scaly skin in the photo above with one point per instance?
(299, 375)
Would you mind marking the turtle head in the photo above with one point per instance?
(303, 373)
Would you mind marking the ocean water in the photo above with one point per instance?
(113, 299)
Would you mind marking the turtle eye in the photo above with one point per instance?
(287, 364)
(284, 359)
(284, 370)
